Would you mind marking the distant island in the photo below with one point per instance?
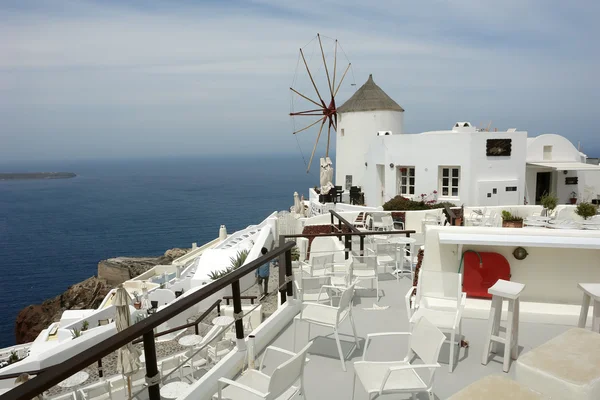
(12, 176)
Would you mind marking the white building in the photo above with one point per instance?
(464, 165)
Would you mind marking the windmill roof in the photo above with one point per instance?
(369, 97)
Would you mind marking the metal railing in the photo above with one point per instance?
(145, 328)
(354, 231)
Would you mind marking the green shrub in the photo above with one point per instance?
(400, 203)
(75, 333)
(13, 358)
(507, 216)
(85, 325)
(295, 253)
(586, 210)
(236, 262)
(549, 201)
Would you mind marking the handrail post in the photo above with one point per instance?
(339, 229)
(362, 245)
(237, 311)
(288, 273)
(282, 266)
(151, 364)
(332, 223)
(347, 245)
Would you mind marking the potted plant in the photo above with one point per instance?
(573, 198)
(75, 333)
(586, 210)
(137, 303)
(549, 202)
(511, 221)
(85, 325)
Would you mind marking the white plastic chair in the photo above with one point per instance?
(365, 268)
(318, 265)
(313, 289)
(66, 396)
(379, 378)
(330, 317)
(387, 255)
(97, 391)
(257, 385)
(169, 365)
(440, 299)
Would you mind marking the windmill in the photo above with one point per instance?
(310, 101)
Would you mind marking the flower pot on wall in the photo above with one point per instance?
(573, 201)
(512, 224)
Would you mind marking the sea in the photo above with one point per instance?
(54, 232)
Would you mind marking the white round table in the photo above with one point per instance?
(174, 390)
(190, 341)
(223, 320)
(74, 380)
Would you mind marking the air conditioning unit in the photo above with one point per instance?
(384, 133)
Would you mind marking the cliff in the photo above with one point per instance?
(87, 294)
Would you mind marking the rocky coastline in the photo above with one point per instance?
(87, 294)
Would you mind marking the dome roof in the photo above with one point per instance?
(369, 97)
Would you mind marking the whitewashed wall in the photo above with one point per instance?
(428, 151)
(359, 129)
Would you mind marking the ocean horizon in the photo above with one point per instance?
(54, 232)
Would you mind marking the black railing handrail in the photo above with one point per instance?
(344, 221)
(359, 233)
(57, 374)
(216, 304)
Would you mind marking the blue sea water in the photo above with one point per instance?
(53, 233)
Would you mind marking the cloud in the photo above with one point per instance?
(77, 78)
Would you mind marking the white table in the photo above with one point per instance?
(174, 390)
(223, 321)
(590, 291)
(190, 341)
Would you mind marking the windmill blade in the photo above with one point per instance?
(311, 78)
(317, 142)
(301, 95)
(307, 112)
(325, 63)
(306, 127)
(342, 80)
(334, 64)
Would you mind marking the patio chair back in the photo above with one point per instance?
(364, 263)
(426, 342)
(387, 249)
(310, 287)
(345, 304)
(321, 262)
(286, 374)
(438, 285)
(98, 391)
(213, 335)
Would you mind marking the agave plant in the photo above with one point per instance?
(239, 259)
(75, 333)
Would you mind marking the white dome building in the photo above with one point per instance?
(368, 113)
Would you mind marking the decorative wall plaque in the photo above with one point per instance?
(498, 147)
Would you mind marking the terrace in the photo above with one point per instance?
(324, 377)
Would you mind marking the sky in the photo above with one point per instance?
(114, 79)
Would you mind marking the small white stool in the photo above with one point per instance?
(590, 291)
(510, 291)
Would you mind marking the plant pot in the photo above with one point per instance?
(512, 224)
(137, 305)
(573, 201)
(458, 221)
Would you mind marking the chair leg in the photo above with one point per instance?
(354, 332)
(339, 346)
(452, 346)
(294, 327)
(354, 385)
(508, 341)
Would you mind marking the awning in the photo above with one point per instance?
(566, 166)
(483, 239)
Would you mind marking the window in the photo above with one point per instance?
(547, 152)
(511, 188)
(406, 180)
(449, 181)
(342, 131)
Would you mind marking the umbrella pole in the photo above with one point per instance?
(129, 386)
